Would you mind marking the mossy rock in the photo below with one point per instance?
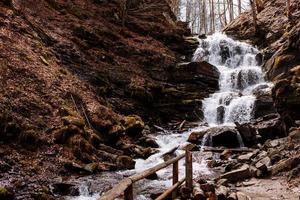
(67, 110)
(125, 162)
(63, 134)
(71, 120)
(6, 194)
(134, 124)
(116, 130)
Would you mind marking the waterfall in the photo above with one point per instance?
(240, 73)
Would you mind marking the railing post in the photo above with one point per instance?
(128, 193)
(188, 169)
(175, 178)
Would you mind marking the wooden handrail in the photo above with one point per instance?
(125, 186)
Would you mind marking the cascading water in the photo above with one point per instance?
(240, 73)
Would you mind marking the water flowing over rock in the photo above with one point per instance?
(240, 74)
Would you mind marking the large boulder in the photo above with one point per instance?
(270, 127)
(247, 132)
(197, 72)
(217, 136)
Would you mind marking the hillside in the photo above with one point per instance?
(78, 81)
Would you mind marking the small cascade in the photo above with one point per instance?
(240, 73)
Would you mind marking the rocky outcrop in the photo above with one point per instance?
(280, 47)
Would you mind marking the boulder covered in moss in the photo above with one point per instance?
(133, 124)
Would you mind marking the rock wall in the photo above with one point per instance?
(278, 37)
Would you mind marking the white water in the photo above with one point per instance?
(239, 76)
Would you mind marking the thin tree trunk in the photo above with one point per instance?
(288, 9)
(224, 8)
(204, 17)
(213, 16)
(219, 14)
(252, 2)
(240, 6)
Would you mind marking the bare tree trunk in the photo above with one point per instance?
(219, 14)
(252, 2)
(225, 13)
(213, 16)
(240, 6)
(188, 10)
(200, 16)
(204, 16)
(288, 10)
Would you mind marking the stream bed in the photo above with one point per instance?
(240, 77)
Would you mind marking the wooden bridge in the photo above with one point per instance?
(125, 187)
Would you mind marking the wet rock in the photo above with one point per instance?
(65, 189)
(220, 114)
(148, 142)
(170, 154)
(6, 194)
(238, 174)
(218, 137)
(92, 167)
(225, 53)
(259, 58)
(196, 137)
(247, 132)
(125, 162)
(153, 176)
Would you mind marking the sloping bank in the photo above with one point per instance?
(77, 85)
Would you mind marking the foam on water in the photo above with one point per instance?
(239, 74)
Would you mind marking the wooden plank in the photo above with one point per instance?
(119, 189)
(175, 178)
(128, 193)
(116, 191)
(152, 170)
(170, 190)
(189, 170)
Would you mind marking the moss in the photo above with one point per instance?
(125, 162)
(67, 110)
(71, 120)
(282, 60)
(5, 194)
(63, 134)
(133, 124)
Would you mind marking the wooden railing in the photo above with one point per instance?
(126, 185)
